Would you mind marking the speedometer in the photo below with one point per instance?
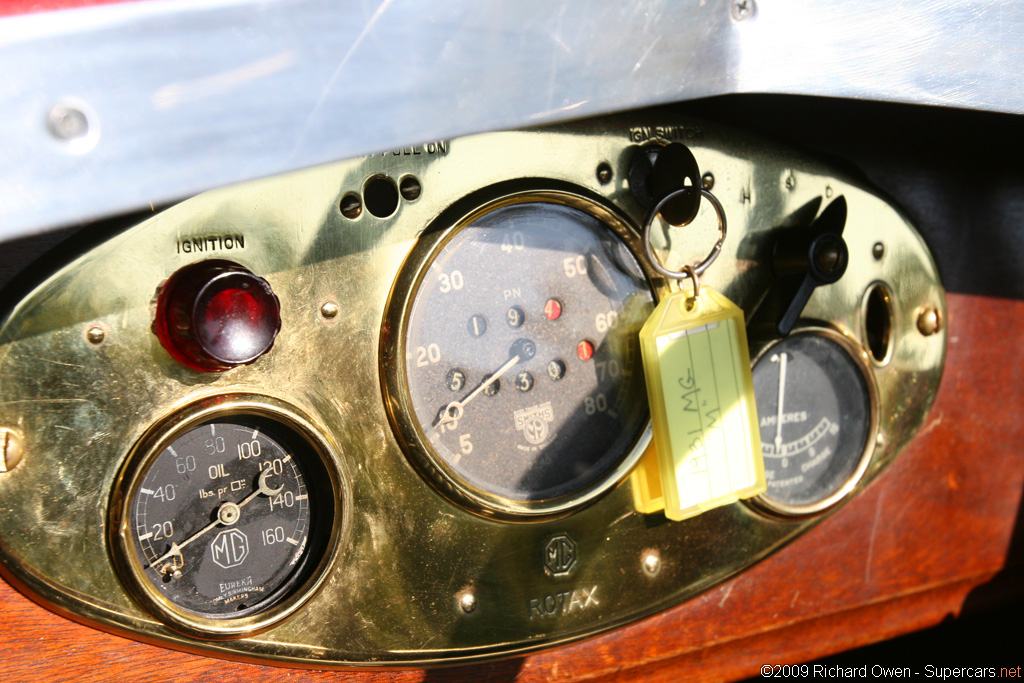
(521, 386)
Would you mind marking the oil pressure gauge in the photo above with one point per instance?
(517, 385)
(816, 410)
(226, 519)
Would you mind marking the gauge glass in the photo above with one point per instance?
(522, 355)
(815, 414)
(228, 517)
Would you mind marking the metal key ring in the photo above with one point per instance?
(697, 268)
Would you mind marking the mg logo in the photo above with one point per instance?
(230, 548)
(560, 555)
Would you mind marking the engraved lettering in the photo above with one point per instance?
(669, 133)
(200, 243)
(438, 147)
(562, 603)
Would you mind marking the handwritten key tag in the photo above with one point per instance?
(700, 390)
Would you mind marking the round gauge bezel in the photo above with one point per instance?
(393, 348)
(225, 407)
(860, 360)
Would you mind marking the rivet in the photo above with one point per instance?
(929, 321)
(652, 562)
(742, 9)
(878, 251)
(707, 181)
(329, 310)
(467, 602)
(791, 182)
(96, 335)
(604, 173)
(74, 124)
(67, 122)
(12, 447)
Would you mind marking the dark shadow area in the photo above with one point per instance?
(492, 672)
(957, 173)
(26, 262)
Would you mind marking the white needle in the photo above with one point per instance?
(522, 349)
(453, 411)
(781, 359)
(227, 513)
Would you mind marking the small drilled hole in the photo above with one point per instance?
(878, 323)
(380, 196)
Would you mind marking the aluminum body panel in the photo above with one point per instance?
(184, 96)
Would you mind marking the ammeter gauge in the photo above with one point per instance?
(224, 521)
(817, 417)
(519, 387)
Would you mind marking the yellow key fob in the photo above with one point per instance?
(701, 396)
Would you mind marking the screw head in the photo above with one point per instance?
(742, 9)
(351, 206)
(467, 602)
(652, 562)
(95, 335)
(604, 173)
(12, 448)
(329, 310)
(878, 251)
(707, 181)
(410, 188)
(929, 321)
(790, 182)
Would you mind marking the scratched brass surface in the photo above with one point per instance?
(390, 593)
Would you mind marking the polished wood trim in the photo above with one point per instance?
(901, 556)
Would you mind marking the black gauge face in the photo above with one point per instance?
(229, 516)
(814, 409)
(522, 356)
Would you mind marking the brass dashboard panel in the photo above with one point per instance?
(416, 579)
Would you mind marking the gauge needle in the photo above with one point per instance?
(781, 360)
(522, 349)
(227, 514)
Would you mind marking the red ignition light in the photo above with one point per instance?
(585, 350)
(215, 315)
(553, 309)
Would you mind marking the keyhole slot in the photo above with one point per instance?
(878, 321)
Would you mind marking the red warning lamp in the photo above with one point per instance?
(215, 315)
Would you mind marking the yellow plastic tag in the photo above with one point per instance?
(701, 396)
